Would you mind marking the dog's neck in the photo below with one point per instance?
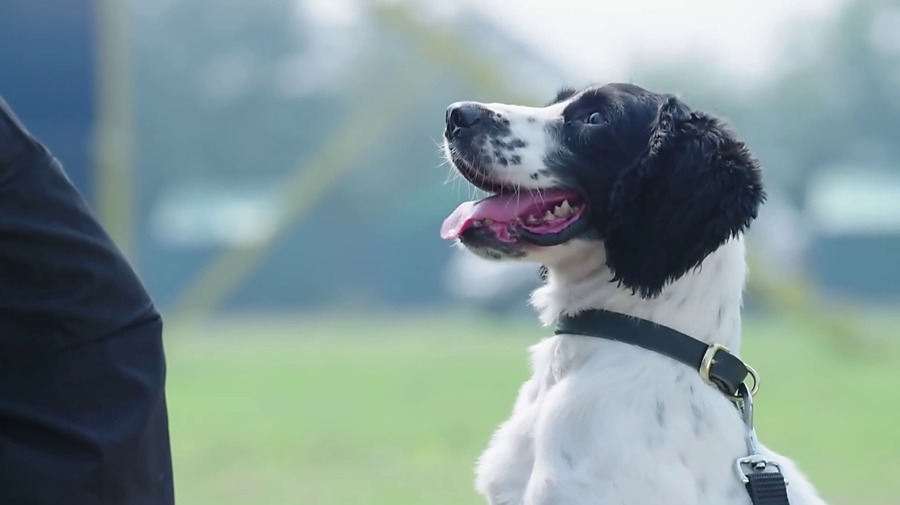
(705, 303)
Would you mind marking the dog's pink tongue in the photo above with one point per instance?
(503, 208)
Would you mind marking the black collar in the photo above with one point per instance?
(714, 362)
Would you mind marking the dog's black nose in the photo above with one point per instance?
(464, 115)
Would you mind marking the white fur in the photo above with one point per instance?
(607, 423)
(528, 124)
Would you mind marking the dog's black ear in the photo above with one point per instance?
(695, 186)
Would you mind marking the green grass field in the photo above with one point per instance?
(386, 411)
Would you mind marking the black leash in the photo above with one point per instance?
(716, 365)
(763, 478)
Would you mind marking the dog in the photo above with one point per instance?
(635, 204)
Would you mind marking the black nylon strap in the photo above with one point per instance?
(767, 488)
(727, 372)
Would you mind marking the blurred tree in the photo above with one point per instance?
(213, 114)
(213, 72)
(839, 105)
(832, 101)
(280, 95)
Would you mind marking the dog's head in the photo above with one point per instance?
(657, 185)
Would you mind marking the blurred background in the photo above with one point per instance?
(272, 169)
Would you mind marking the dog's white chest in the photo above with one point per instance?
(599, 423)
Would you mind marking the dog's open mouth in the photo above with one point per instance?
(544, 218)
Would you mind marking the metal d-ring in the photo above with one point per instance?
(747, 393)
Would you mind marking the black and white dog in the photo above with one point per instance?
(635, 204)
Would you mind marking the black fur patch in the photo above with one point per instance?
(695, 187)
(563, 94)
(483, 243)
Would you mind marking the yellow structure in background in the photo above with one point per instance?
(115, 133)
(310, 182)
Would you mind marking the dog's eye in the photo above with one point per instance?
(595, 118)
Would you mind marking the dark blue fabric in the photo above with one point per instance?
(82, 371)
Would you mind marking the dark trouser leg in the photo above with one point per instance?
(82, 369)
(87, 425)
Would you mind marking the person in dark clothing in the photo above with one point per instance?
(83, 416)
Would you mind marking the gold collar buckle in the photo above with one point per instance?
(709, 359)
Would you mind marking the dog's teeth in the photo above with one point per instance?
(532, 220)
(488, 222)
(476, 224)
(566, 207)
(559, 211)
(549, 216)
